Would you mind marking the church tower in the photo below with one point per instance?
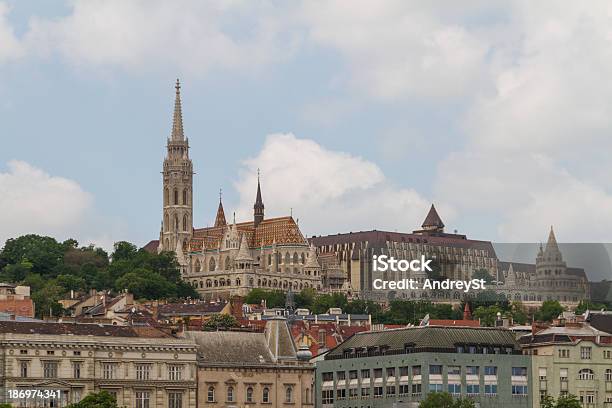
(258, 208)
(177, 222)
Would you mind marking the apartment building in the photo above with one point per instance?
(398, 368)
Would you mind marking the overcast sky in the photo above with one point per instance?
(359, 114)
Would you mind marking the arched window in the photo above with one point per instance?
(211, 394)
(249, 394)
(307, 396)
(303, 258)
(228, 264)
(176, 223)
(185, 223)
(201, 284)
(265, 395)
(211, 264)
(197, 265)
(185, 197)
(166, 196)
(287, 258)
(251, 281)
(167, 243)
(209, 283)
(289, 395)
(269, 259)
(295, 257)
(230, 394)
(586, 374)
(238, 282)
(176, 197)
(166, 223)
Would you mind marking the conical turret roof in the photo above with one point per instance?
(220, 220)
(432, 220)
(552, 241)
(311, 261)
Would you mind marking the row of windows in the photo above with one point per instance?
(109, 370)
(222, 282)
(175, 197)
(230, 395)
(434, 369)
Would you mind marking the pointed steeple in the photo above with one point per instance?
(177, 120)
(552, 241)
(243, 252)
(220, 218)
(258, 208)
(433, 222)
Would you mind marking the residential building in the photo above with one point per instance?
(142, 367)
(251, 369)
(398, 368)
(15, 300)
(574, 359)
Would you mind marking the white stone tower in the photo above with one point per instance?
(177, 222)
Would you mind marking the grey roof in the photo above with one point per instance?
(230, 348)
(430, 338)
(10, 316)
(78, 329)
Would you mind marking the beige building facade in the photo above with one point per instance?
(247, 369)
(142, 367)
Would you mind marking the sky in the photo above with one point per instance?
(359, 114)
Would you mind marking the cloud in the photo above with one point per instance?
(191, 36)
(32, 201)
(10, 47)
(329, 191)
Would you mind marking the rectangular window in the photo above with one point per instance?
(435, 370)
(473, 389)
(563, 374)
(454, 388)
(23, 352)
(353, 375)
(24, 369)
(378, 373)
(353, 393)
(378, 392)
(403, 389)
(472, 370)
(390, 390)
(564, 353)
(585, 353)
(490, 370)
(76, 369)
(519, 390)
(608, 354)
(435, 387)
(341, 375)
(542, 373)
(390, 372)
(416, 370)
(175, 372)
(76, 353)
(328, 376)
(365, 392)
(50, 352)
(175, 400)
(519, 371)
(365, 374)
(327, 397)
(403, 371)
(490, 389)
(143, 371)
(109, 371)
(341, 393)
(142, 399)
(416, 389)
(50, 369)
(454, 370)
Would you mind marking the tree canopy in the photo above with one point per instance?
(445, 400)
(102, 399)
(52, 269)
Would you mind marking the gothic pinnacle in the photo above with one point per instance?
(177, 120)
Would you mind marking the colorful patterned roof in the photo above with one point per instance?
(281, 230)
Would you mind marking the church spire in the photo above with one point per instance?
(220, 218)
(552, 241)
(177, 120)
(259, 205)
(433, 222)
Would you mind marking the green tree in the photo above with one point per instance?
(306, 298)
(585, 305)
(445, 400)
(220, 321)
(44, 253)
(273, 298)
(47, 299)
(483, 274)
(102, 399)
(568, 401)
(145, 284)
(124, 251)
(518, 312)
(549, 310)
(487, 315)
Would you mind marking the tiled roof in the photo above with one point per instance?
(433, 219)
(601, 321)
(282, 230)
(454, 323)
(152, 246)
(81, 329)
(182, 309)
(228, 347)
(430, 338)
